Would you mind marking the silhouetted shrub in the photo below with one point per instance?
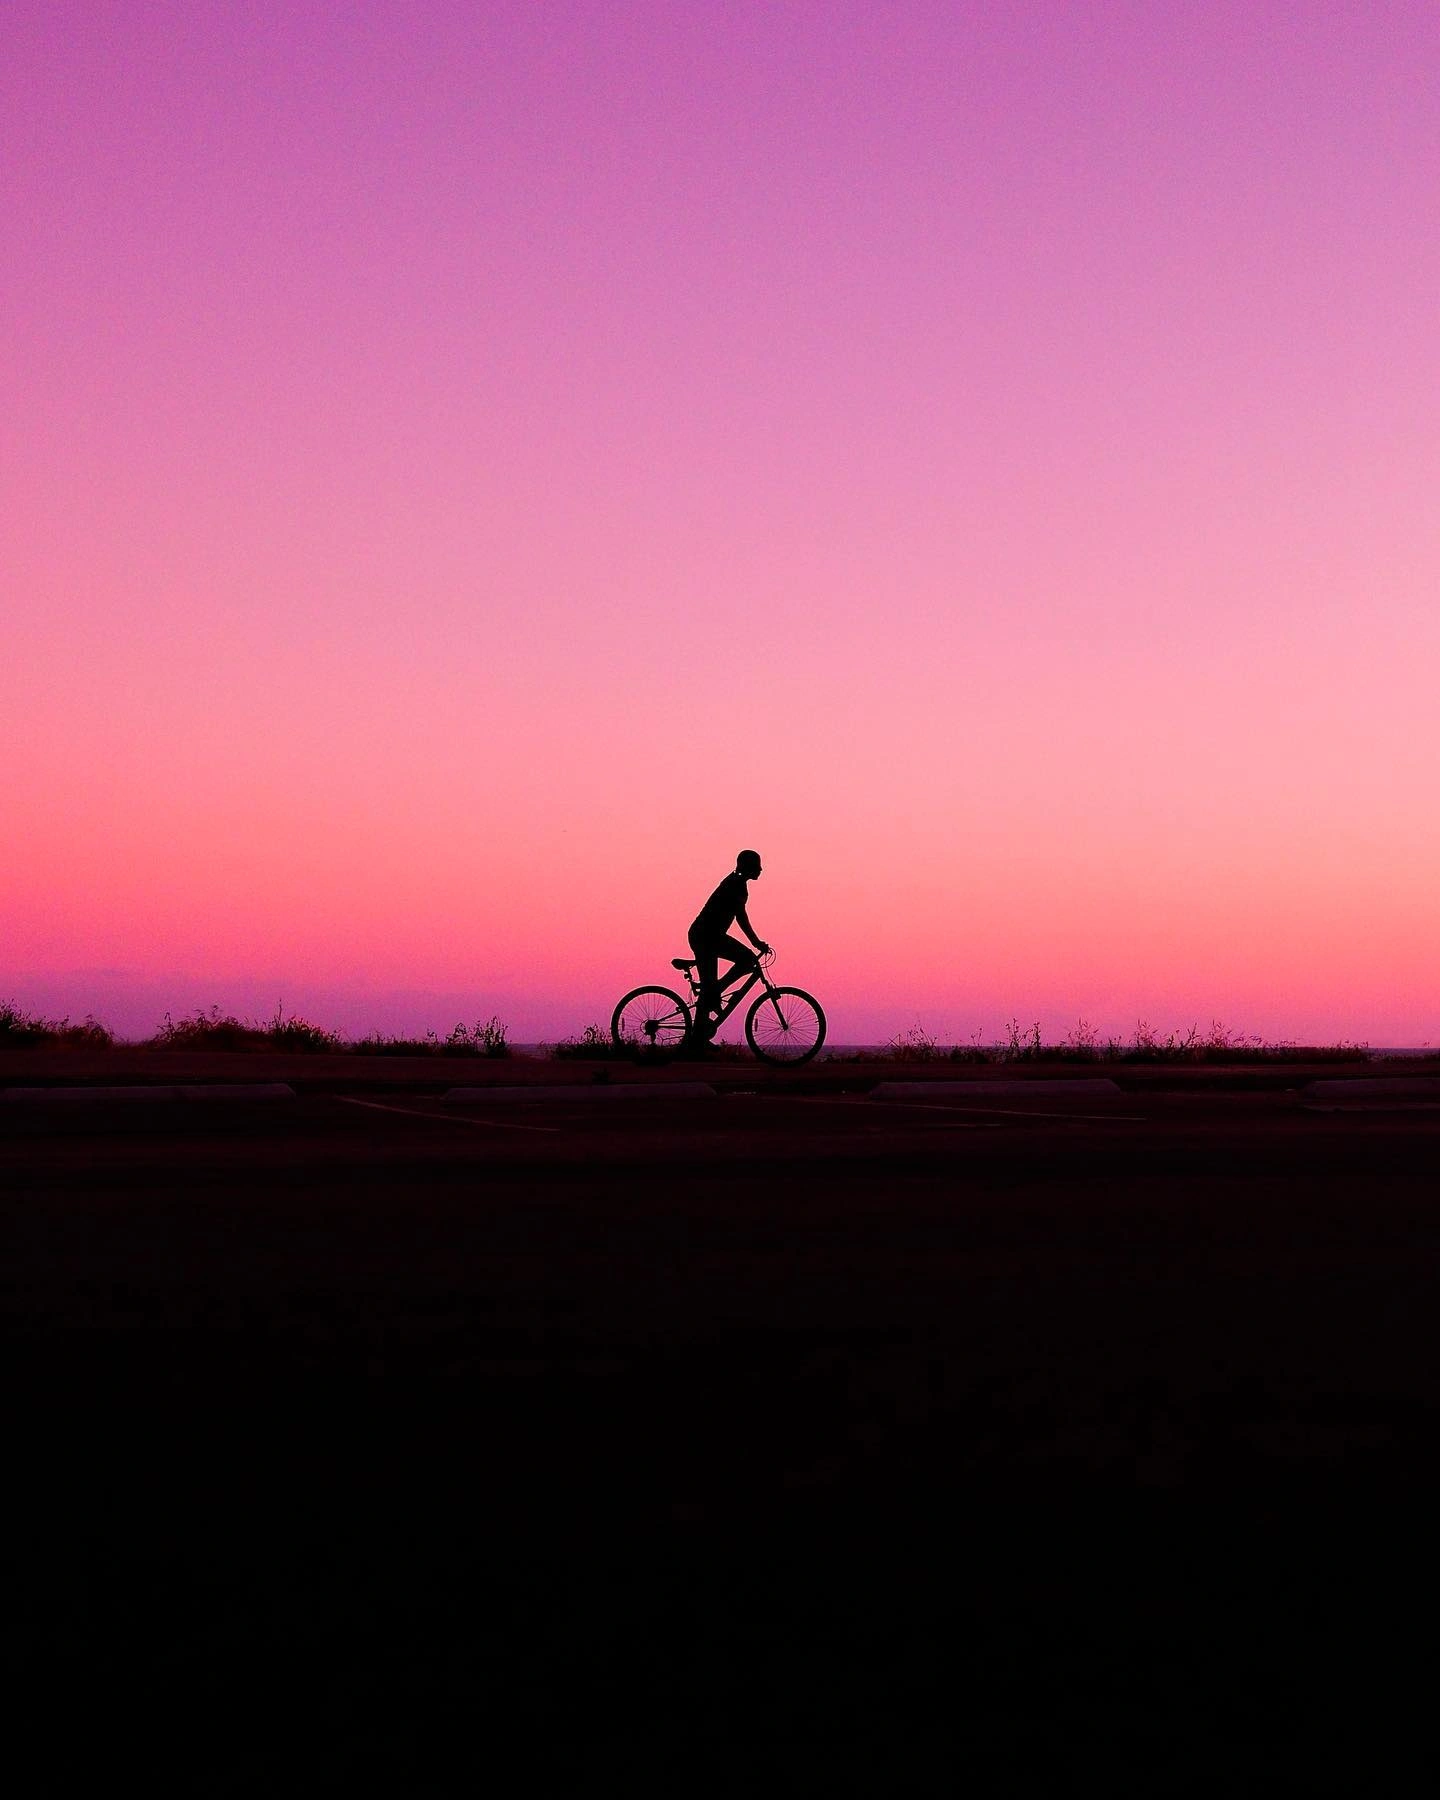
(299, 1035)
(487, 1037)
(223, 1031)
(914, 1045)
(208, 1031)
(28, 1031)
(377, 1045)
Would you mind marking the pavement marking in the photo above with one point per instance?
(445, 1118)
(1004, 1112)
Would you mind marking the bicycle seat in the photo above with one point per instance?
(679, 962)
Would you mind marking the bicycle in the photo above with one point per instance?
(783, 1025)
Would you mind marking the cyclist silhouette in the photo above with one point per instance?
(710, 940)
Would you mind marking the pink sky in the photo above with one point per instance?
(469, 469)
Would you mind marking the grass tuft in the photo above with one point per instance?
(1082, 1044)
(594, 1044)
(28, 1031)
(914, 1045)
(487, 1037)
(215, 1030)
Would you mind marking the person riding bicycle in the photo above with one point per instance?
(710, 940)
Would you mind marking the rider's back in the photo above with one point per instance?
(717, 915)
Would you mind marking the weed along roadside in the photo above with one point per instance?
(88, 1048)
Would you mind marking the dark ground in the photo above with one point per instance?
(777, 1442)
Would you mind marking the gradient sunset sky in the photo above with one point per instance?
(468, 469)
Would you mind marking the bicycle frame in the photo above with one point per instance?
(731, 997)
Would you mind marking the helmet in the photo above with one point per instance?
(748, 862)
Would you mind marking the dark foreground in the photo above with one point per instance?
(766, 1443)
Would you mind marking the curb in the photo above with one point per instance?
(1406, 1087)
(75, 1096)
(599, 1090)
(1096, 1088)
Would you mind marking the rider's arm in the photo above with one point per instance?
(742, 919)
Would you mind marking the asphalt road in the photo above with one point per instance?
(767, 1441)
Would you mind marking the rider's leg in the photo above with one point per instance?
(741, 956)
(707, 962)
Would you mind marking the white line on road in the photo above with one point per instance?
(445, 1118)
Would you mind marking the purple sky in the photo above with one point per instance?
(469, 469)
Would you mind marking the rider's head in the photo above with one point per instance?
(747, 863)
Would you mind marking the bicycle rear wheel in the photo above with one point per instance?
(650, 1018)
(785, 1025)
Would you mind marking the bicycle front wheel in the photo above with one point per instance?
(650, 1018)
(785, 1025)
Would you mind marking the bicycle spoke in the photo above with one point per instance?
(785, 1025)
(650, 1019)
